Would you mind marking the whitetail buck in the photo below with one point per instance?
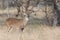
(17, 23)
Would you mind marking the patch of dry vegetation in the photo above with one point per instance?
(31, 32)
(8, 10)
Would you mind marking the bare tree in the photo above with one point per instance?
(51, 17)
(3, 1)
(24, 5)
(57, 9)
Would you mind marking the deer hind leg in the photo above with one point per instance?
(9, 29)
(21, 29)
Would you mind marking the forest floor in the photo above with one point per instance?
(31, 32)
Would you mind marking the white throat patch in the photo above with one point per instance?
(27, 18)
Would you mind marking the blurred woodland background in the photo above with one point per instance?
(45, 11)
(44, 20)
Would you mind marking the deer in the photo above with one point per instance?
(17, 23)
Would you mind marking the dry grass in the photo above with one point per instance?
(31, 32)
